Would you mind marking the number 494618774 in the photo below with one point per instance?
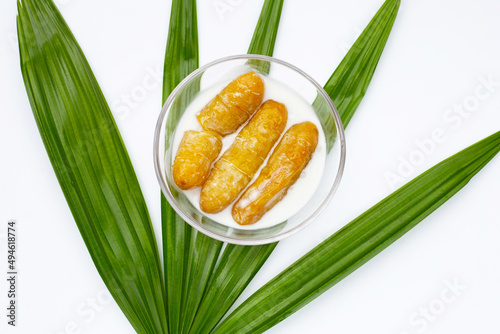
(11, 245)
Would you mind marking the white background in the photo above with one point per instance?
(436, 56)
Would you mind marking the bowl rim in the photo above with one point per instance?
(241, 241)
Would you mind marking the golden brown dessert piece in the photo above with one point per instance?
(194, 158)
(283, 168)
(234, 105)
(238, 165)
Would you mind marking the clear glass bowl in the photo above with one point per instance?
(223, 71)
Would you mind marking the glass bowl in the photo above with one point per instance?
(218, 74)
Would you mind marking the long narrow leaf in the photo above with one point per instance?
(177, 239)
(189, 256)
(358, 241)
(181, 58)
(348, 84)
(181, 55)
(353, 68)
(264, 35)
(266, 30)
(91, 164)
(206, 251)
(239, 264)
(237, 267)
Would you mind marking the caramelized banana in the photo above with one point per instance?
(238, 165)
(283, 168)
(234, 105)
(194, 157)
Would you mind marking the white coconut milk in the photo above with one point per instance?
(299, 193)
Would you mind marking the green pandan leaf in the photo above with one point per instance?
(91, 164)
(189, 256)
(348, 84)
(264, 35)
(236, 268)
